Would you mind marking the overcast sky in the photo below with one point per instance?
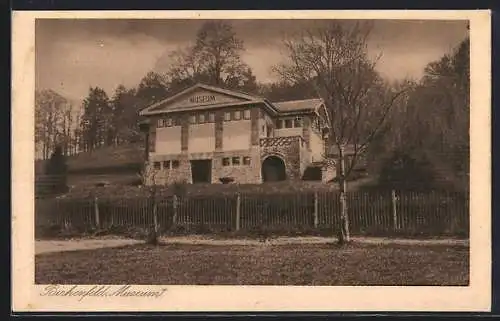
(72, 55)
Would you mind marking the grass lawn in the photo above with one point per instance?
(308, 264)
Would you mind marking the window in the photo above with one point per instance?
(236, 161)
(263, 129)
(297, 122)
(279, 123)
(227, 116)
(176, 121)
(201, 118)
(237, 115)
(169, 122)
(166, 164)
(157, 165)
(175, 164)
(246, 114)
(288, 123)
(192, 119)
(211, 117)
(225, 161)
(160, 123)
(246, 160)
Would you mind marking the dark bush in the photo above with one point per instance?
(226, 180)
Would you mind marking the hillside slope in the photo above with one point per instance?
(105, 159)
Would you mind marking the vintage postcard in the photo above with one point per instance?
(251, 161)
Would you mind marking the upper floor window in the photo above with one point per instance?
(157, 165)
(246, 160)
(237, 115)
(211, 117)
(160, 123)
(246, 114)
(201, 118)
(192, 119)
(297, 122)
(166, 164)
(279, 123)
(227, 116)
(168, 122)
(175, 164)
(288, 123)
(225, 161)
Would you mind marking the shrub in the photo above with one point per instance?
(226, 180)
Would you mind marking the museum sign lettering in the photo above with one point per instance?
(202, 99)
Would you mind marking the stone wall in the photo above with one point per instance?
(243, 174)
(329, 170)
(163, 176)
(286, 148)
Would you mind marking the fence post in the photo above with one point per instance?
(394, 210)
(238, 211)
(174, 205)
(96, 212)
(316, 210)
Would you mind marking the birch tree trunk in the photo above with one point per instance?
(343, 229)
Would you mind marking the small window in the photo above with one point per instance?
(225, 161)
(246, 114)
(168, 122)
(246, 160)
(236, 161)
(279, 123)
(157, 165)
(201, 118)
(175, 164)
(288, 123)
(160, 123)
(227, 116)
(166, 164)
(211, 117)
(297, 122)
(237, 115)
(192, 119)
(175, 121)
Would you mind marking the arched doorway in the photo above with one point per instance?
(273, 169)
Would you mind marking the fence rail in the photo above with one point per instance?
(433, 213)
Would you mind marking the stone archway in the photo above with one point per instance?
(273, 169)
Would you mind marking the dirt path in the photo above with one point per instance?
(42, 246)
(77, 245)
(312, 240)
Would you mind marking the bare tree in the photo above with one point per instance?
(334, 59)
(148, 178)
(214, 58)
(53, 119)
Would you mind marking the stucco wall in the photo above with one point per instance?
(317, 146)
(286, 132)
(168, 140)
(236, 135)
(201, 138)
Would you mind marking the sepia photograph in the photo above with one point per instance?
(250, 152)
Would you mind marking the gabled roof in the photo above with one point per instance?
(244, 99)
(298, 105)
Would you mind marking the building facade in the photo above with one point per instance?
(208, 134)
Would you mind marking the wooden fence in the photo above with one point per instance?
(381, 213)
